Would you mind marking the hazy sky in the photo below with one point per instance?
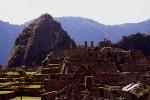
(103, 11)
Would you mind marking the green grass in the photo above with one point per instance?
(34, 86)
(31, 86)
(5, 92)
(53, 64)
(3, 78)
(15, 73)
(52, 68)
(27, 98)
(6, 83)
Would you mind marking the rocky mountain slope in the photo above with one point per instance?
(40, 37)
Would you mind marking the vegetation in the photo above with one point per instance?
(5, 92)
(17, 81)
(24, 80)
(138, 41)
(27, 98)
(146, 90)
(105, 43)
(16, 73)
(34, 86)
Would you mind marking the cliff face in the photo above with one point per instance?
(36, 41)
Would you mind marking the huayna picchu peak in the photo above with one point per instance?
(36, 40)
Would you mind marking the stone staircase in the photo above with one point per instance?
(50, 68)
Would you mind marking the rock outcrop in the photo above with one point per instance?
(40, 37)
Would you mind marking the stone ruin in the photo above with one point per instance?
(93, 74)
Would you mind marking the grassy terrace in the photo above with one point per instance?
(28, 87)
(53, 64)
(27, 98)
(5, 92)
(8, 85)
(34, 86)
(15, 73)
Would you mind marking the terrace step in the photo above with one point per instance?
(50, 70)
(31, 87)
(51, 65)
(6, 95)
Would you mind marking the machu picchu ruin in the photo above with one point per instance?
(74, 49)
(97, 74)
(84, 73)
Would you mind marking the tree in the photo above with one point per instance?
(105, 43)
(24, 80)
(138, 41)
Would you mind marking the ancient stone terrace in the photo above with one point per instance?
(107, 57)
(93, 73)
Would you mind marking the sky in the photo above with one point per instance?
(108, 12)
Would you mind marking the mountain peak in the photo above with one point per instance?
(46, 16)
(40, 37)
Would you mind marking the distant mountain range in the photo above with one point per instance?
(8, 33)
(80, 29)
